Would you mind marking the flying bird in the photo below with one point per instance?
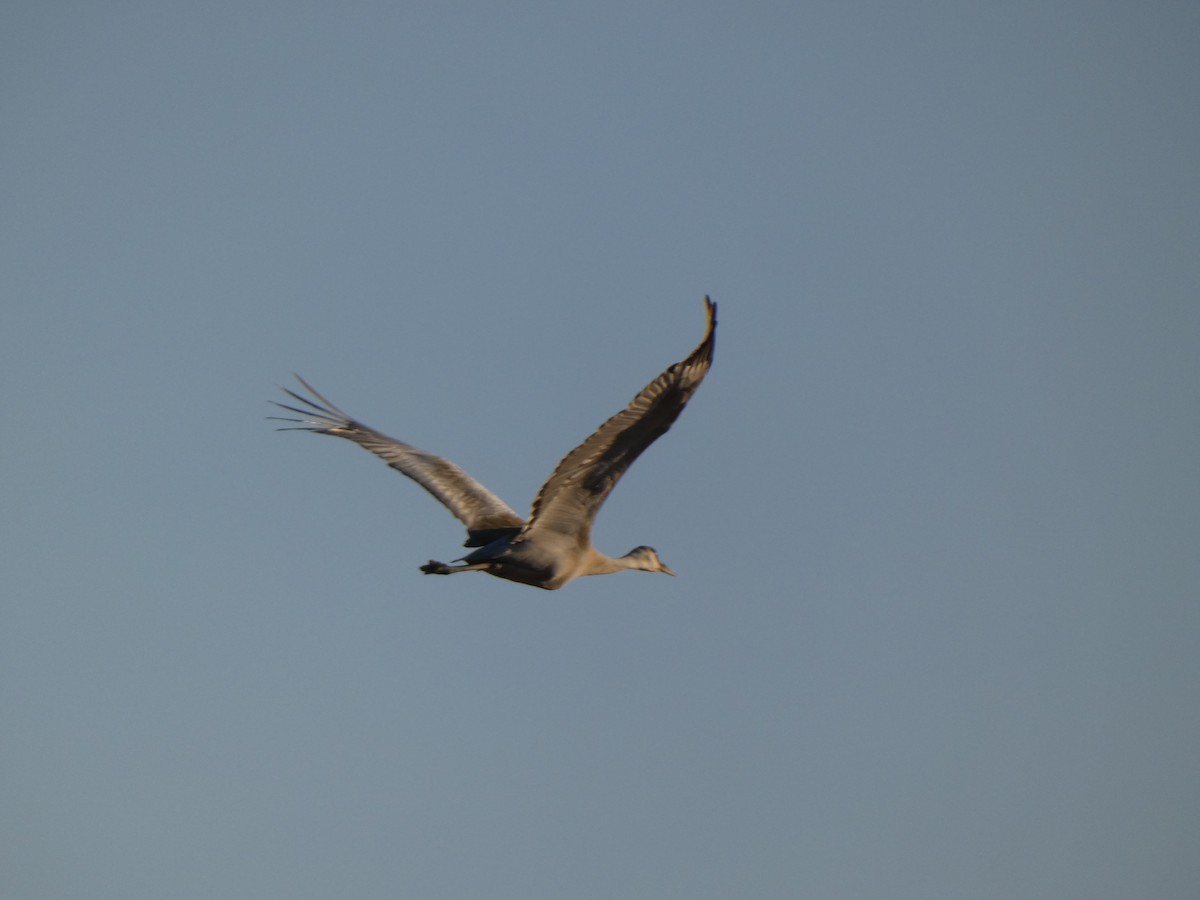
(554, 546)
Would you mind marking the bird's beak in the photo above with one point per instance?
(664, 569)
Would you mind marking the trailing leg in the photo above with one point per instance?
(433, 567)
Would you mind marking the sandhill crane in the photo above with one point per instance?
(554, 546)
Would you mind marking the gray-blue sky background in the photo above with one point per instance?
(935, 512)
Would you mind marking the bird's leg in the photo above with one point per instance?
(433, 567)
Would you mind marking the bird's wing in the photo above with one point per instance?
(574, 492)
(486, 516)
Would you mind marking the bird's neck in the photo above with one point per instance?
(599, 564)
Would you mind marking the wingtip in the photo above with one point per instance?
(710, 307)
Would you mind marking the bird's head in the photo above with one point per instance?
(646, 559)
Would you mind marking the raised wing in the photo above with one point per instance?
(486, 516)
(574, 492)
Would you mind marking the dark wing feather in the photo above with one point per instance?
(486, 516)
(574, 492)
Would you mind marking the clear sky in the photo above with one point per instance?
(935, 512)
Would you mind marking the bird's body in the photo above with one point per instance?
(554, 546)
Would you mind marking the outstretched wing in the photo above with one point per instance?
(574, 492)
(486, 516)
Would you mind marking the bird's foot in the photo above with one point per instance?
(433, 567)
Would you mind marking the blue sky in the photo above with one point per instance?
(935, 511)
